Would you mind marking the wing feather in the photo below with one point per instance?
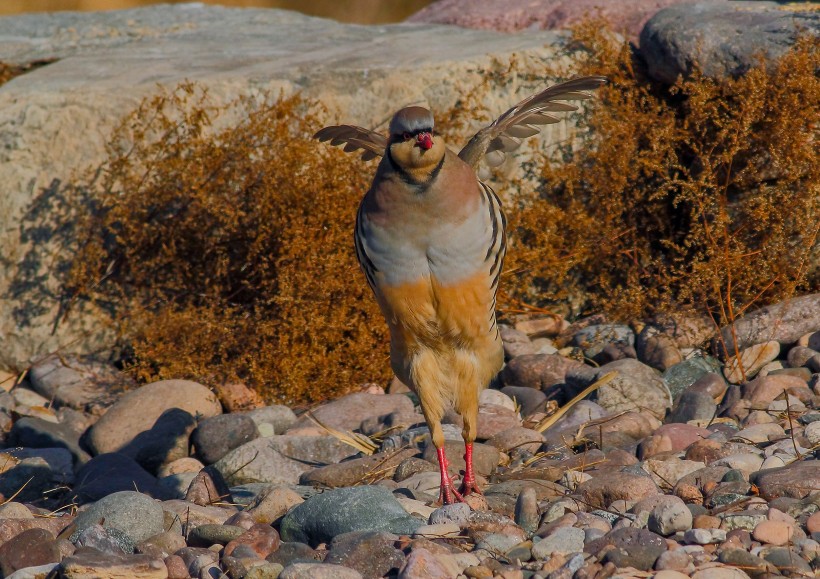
(520, 121)
(354, 138)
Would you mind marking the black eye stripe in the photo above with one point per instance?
(415, 133)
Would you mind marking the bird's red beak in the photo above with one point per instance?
(425, 141)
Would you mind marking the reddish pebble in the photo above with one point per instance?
(262, 539)
(813, 523)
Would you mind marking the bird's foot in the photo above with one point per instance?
(468, 483)
(448, 494)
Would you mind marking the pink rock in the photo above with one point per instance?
(764, 389)
(773, 532)
(261, 538)
(682, 435)
(813, 523)
(515, 15)
(422, 564)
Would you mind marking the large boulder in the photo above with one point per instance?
(626, 16)
(721, 38)
(94, 68)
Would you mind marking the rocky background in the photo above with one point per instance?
(680, 464)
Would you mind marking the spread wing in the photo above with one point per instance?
(526, 119)
(354, 138)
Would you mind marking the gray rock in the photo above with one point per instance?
(270, 420)
(635, 387)
(38, 433)
(280, 459)
(529, 399)
(322, 517)
(681, 376)
(107, 540)
(692, 406)
(789, 560)
(109, 473)
(722, 38)
(458, 513)
(669, 517)
(349, 411)
(135, 514)
(656, 349)
(210, 534)
(216, 436)
(526, 510)
(80, 384)
(290, 552)
(563, 540)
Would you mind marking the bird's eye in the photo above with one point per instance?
(406, 136)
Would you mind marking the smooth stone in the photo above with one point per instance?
(322, 517)
(87, 563)
(682, 376)
(25, 479)
(603, 490)
(272, 503)
(106, 540)
(216, 436)
(142, 423)
(357, 470)
(30, 548)
(82, 384)
(135, 514)
(110, 473)
(692, 405)
(563, 540)
(372, 554)
(796, 480)
(210, 534)
(751, 360)
(537, 371)
(273, 419)
(636, 387)
(529, 399)
(422, 564)
(773, 532)
(280, 458)
(318, 571)
(348, 412)
(37, 433)
(667, 519)
(13, 510)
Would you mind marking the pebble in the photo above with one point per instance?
(135, 514)
(562, 540)
(773, 532)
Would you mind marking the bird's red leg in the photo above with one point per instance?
(468, 483)
(448, 494)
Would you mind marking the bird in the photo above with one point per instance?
(430, 237)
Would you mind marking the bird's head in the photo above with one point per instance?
(413, 144)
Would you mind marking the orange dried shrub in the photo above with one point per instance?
(226, 254)
(701, 196)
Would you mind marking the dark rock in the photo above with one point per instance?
(411, 466)
(635, 547)
(28, 549)
(790, 561)
(722, 39)
(370, 553)
(110, 473)
(29, 479)
(529, 399)
(322, 517)
(692, 406)
(753, 565)
(37, 433)
(216, 436)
